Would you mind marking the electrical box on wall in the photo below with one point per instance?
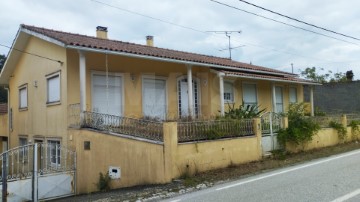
(114, 172)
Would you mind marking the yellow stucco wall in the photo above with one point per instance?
(325, 137)
(203, 156)
(137, 68)
(39, 119)
(140, 162)
(144, 162)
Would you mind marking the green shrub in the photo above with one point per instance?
(341, 130)
(243, 112)
(104, 182)
(355, 129)
(300, 130)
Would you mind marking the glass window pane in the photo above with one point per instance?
(249, 94)
(23, 97)
(292, 95)
(228, 92)
(54, 89)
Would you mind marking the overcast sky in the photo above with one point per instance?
(266, 43)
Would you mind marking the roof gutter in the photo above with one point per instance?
(275, 80)
(170, 60)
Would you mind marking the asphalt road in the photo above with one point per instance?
(332, 179)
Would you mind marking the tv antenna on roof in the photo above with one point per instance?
(228, 34)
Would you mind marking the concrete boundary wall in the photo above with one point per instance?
(143, 162)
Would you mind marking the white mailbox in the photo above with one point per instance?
(114, 172)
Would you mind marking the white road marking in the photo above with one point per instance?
(176, 200)
(289, 170)
(347, 196)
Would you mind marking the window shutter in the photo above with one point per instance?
(249, 94)
(23, 98)
(54, 89)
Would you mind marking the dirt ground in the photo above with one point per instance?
(207, 179)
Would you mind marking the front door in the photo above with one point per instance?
(184, 98)
(107, 94)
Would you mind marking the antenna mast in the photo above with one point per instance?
(228, 34)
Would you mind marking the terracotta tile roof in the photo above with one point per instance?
(125, 47)
(286, 78)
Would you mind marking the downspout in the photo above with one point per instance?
(190, 91)
(221, 86)
(8, 105)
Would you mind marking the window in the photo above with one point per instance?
(292, 95)
(24, 150)
(249, 94)
(107, 93)
(154, 97)
(54, 152)
(23, 97)
(53, 88)
(279, 99)
(228, 92)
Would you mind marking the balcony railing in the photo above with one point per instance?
(122, 125)
(207, 130)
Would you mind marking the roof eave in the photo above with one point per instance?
(274, 80)
(171, 60)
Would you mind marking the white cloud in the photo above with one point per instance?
(259, 35)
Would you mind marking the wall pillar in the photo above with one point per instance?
(258, 134)
(221, 83)
(273, 93)
(312, 100)
(190, 91)
(285, 122)
(82, 66)
(170, 149)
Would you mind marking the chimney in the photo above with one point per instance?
(150, 40)
(101, 32)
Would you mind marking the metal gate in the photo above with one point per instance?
(39, 171)
(271, 122)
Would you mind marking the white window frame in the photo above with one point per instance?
(198, 94)
(232, 93)
(48, 78)
(296, 96)
(21, 88)
(93, 72)
(50, 143)
(256, 92)
(166, 91)
(24, 151)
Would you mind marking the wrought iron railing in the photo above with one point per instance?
(324, 121)
(74, 115)
(271, 123)
(19, 161)
(352, 117)
(123, 125)
(208, 130)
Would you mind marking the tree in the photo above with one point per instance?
(349, 75)
(3, 93)
(338, 77)
(311, 74)
(2, 61)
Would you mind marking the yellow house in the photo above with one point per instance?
(55, 77)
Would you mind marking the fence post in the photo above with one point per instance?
(285, 122)
(170, 149)
(257, 131)
(4, 177)
(344, 124)
(35, 177)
